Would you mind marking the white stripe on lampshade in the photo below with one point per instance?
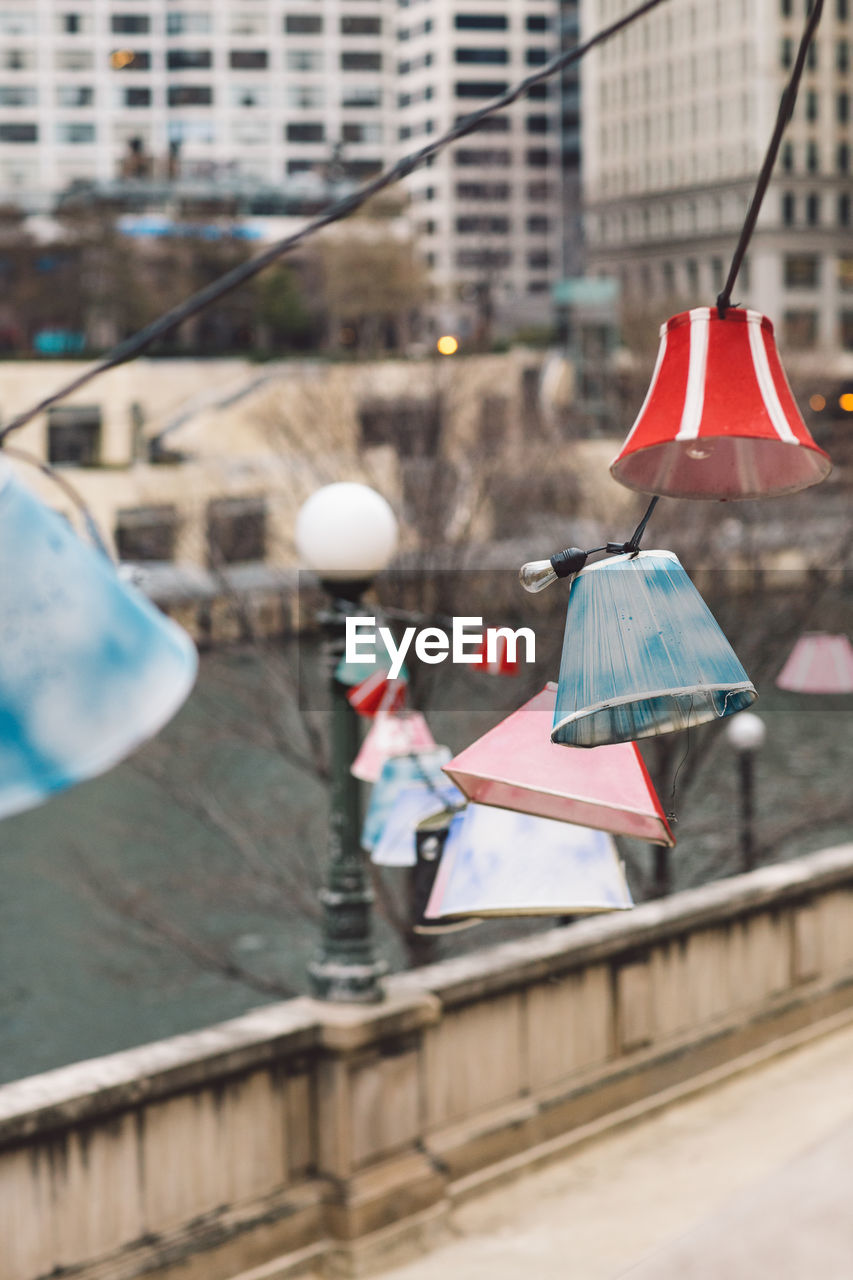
(766, 384)
(694, 396)
(652, 385)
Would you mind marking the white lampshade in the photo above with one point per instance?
(746, 731)
(346, 531)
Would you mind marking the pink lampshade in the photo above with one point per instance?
(818, 663)
(516, 766)
(389, 735)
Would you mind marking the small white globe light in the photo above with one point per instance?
(346, 532)
(746, 731)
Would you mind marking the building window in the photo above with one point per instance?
(358, 26)
(789, 209)
(812, 157)
(538, 22)
(305, 133)
(812, 209)
(844, 210)
(480, 22)
(477, 191)
(190, 95)
(842, 55)
(846, 330)
(146, 533)
(130, 24)
(811, 105)
(361, 170)
(482, 56)
(303, 24)
(361, 62)
(141, 61)
(801, 271)
(842, 11)
(536, 57)
(486, 156)
(491, 124)
(538, 191)
(357, 132)
(786, 8)
(74, 435)
(787, 157)
(72, 24)
(74, 60)
(480, 88)
(482, 225)
(786, 54)
(196, 24)
(537, 157)
(18, 95)
(305, 95)
(842, 158)
(538, 260)
(538, 124)
(75, 134)
(537, 225)
(304, 59)
(134, 97)
(842, 108)
(17, 23)
(799, 329)
(189, 59)
(236, 530)
(248, 59)
(19, 133)
(75, 95)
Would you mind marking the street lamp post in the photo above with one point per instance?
(745, 733)
(346, 533)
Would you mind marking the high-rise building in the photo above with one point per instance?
(487, 209)
(261, 91)
(677, 113)
(289, 93)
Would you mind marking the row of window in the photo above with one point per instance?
(498, 22)
(301, 96)
(811, 156)
(788, 54)
(792, 9)
(23, 23)
(539, 191)
(499, 157)
(810, 209)
(81, 132)
(199, 60)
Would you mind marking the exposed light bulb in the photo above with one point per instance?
(537, 575)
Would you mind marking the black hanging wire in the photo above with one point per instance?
(786, 110)
(139, 342)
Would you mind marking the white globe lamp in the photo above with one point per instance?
(746, 732)
(346, 532)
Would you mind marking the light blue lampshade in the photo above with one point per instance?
(88, 668)
(642, 655)
(422, 771)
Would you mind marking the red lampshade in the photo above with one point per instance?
(516, 766)
(719, 419)
(818, 663)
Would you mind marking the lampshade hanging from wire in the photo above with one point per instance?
(515, 766)
(411, 806)
(88, 667)
(421, 770)
(719, 419)
(642, 655)
(391, 734)
(818, 663)
(500, 863)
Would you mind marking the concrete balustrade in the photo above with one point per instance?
(310, 1139)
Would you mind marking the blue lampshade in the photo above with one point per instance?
(88, 668)
(642, 655)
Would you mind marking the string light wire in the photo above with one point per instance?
(138, 342)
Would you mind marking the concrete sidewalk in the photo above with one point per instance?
(752, 1180)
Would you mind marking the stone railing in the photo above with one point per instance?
(309, 1139)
